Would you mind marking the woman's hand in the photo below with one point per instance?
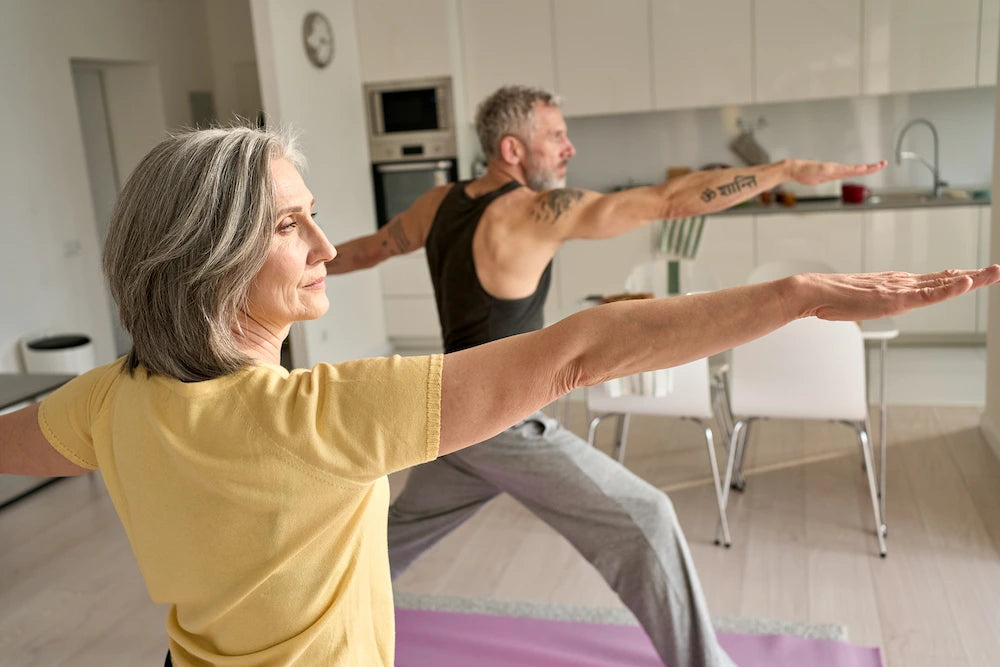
(866, 296)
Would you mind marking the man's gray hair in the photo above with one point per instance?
(189, 233)
(509, 111)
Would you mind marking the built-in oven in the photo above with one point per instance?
(398, 184)
(411, 138)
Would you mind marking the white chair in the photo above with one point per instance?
(688, 394)
(808, 369)
(783, 268)
(689, 391)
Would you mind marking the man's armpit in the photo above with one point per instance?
(552, 204)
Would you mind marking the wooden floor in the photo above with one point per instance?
(804, 548)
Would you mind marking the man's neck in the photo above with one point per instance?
(497, 175)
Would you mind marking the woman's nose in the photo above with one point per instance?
(322, 249)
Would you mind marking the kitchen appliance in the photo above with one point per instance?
(411, 138)
(398, 184)
(410, 120)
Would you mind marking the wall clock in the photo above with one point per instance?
(317, 38)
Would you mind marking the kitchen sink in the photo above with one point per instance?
(897, 198)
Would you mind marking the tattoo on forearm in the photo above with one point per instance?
(555, 203)
(738, 183)
(398, 236)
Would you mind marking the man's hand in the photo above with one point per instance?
(810, 172)
(866, 296)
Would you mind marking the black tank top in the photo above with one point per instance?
(469, 315)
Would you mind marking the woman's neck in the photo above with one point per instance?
(260, 341)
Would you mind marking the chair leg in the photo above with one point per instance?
(622, 436)
(713, 461)
(731, 462)
(872, 488)
(739, 481)
(592, 430)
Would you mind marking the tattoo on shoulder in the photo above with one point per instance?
(556, 202)
(398, 235)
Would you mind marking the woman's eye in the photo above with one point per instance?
(314, 214)
(287, 226)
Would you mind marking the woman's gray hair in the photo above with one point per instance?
(189, 233)
(509, 111)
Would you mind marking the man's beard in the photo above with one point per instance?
(543, 179)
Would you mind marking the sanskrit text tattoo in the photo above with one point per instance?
(554, 203)
(732, 188)
(398, 235)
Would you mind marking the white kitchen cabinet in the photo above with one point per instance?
(586, 266)
(602, 56)
(504, 43)
(726, 252)
(983, 259)
(921, 240)
(400, 39)
(915, 46)
(989, 25)
(806, 49)
(834, 238)
(702, 53)
(408, 297)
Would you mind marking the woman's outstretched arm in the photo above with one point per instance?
(487, 388)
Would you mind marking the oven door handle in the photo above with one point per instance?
(413, 166)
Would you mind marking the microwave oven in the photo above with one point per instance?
(410, 120)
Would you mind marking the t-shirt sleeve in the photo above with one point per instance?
(66, 416)
(364, 419)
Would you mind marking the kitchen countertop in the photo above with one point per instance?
(892, 202)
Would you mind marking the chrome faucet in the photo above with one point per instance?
(910, 155)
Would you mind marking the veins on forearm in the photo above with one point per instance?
(554, 203)
(733, 187)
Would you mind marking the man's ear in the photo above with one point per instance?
(512, 150)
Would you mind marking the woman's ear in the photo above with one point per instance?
(511, 149)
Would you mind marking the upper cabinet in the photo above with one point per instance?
(602, 55)
(505, 42)
(989, 25)
(912, 46)
(806, 49)
(398, 39)
(702, 53)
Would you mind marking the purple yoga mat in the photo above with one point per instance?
(452, 639)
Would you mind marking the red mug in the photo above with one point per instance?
(854, 193)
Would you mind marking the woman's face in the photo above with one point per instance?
(291, 286)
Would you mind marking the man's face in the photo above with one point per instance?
(549, 150)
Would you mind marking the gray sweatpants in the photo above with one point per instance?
(622, 525)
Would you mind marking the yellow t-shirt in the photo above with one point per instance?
(256, 503)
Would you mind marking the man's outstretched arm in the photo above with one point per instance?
(574, 213)
(403, 234)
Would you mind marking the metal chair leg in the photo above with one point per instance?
(872, 488)
(739, 482)
(713, 461)
(622, 436)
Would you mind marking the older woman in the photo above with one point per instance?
(255, 498)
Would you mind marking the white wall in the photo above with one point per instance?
(325, 105)
(990, 419)
(614, 149)
(47, 206)
(233, 59)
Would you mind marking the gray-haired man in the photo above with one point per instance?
(490, 243)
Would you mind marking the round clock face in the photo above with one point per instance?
(317, 38)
